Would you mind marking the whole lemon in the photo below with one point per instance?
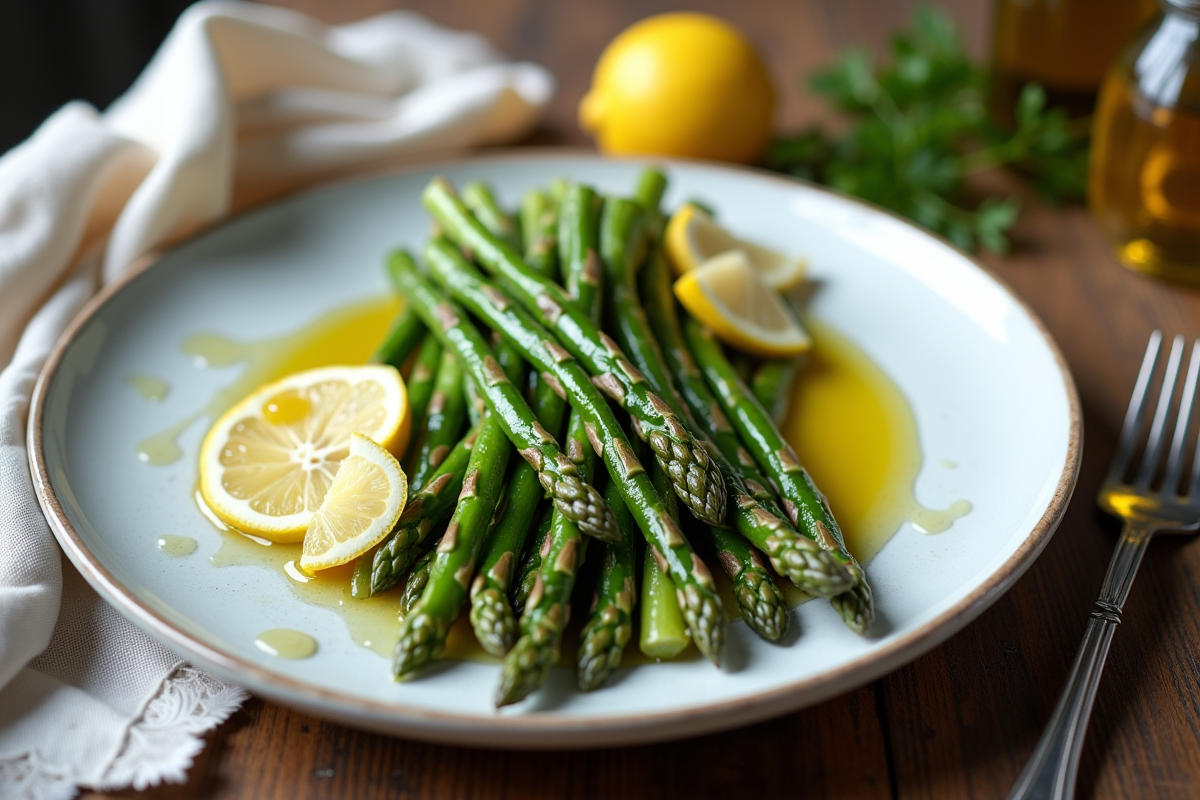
(680, 84)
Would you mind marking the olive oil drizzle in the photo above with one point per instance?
(870, 488)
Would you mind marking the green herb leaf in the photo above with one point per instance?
(919, 128)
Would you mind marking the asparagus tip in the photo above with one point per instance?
(493, 621)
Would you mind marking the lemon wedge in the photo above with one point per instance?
(727, 294)
(267, 463)
(693, 237)
(361, 507)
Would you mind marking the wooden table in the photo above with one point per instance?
(958, 722)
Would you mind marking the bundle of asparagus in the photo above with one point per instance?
(563, 316)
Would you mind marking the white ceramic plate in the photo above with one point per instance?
(987, 385)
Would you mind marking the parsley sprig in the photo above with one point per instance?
(920, 129)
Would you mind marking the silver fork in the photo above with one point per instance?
(1051, 772)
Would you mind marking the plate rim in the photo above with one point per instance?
(545, 728)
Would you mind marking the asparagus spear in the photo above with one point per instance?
(443, 422)
(771, 384)
(660, 610)
(539, 232)
(695, 479)
(492, 615)
(802, 500)
(691, 577)
(528, 573)
(578, 245)
(424, 628)
(402, 338)
(810, 567)
(651, 186)
(762, 604)
(478, 197)
(578, 500)
(427, 508)
(420, 383)
(548, 608)
(418, 578)
(663, 633)
(476, 405)
(610, 623)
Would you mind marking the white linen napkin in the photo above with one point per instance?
(240, 103)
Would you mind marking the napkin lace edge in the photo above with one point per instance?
(160, 744)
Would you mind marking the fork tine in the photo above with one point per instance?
(1136, 412)
(1150, 459)
(1175, 457)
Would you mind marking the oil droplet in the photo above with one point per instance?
(152, 389)
(213, 350)
(163, 448)
(177, 546)
(286, 643)
(928, 520)
(286, 409)
(348, 335)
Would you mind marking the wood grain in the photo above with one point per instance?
(959, 722)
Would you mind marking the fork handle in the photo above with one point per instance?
(1051, 771)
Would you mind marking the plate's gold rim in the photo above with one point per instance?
(548, 729)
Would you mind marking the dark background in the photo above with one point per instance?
(54, 51)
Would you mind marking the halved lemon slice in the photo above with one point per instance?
(693, 238)
(267, 463)
(361, 507)
(727, 295)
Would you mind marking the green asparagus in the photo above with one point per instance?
(443, 423)
(420, 384)
(427, 508)
(418, 577)
(610, 623)
(578, 245)
(663, 633)
(771, 384)
(424, 629)
(559, 476)
(802, 500)
(702, 607)
(402, 338)
(532, 562)
(539, 231)
(754, 513)
(548, 606)
(492, 615)
(482, 203)
(547, 609)
(695, 479)
(762, 604)
(660, 611)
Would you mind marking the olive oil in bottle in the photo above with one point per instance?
(1144, 181)
(1065, 45)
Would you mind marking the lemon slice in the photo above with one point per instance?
(361, 507)
(267, 463)
(693, 238)
(727, 294)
